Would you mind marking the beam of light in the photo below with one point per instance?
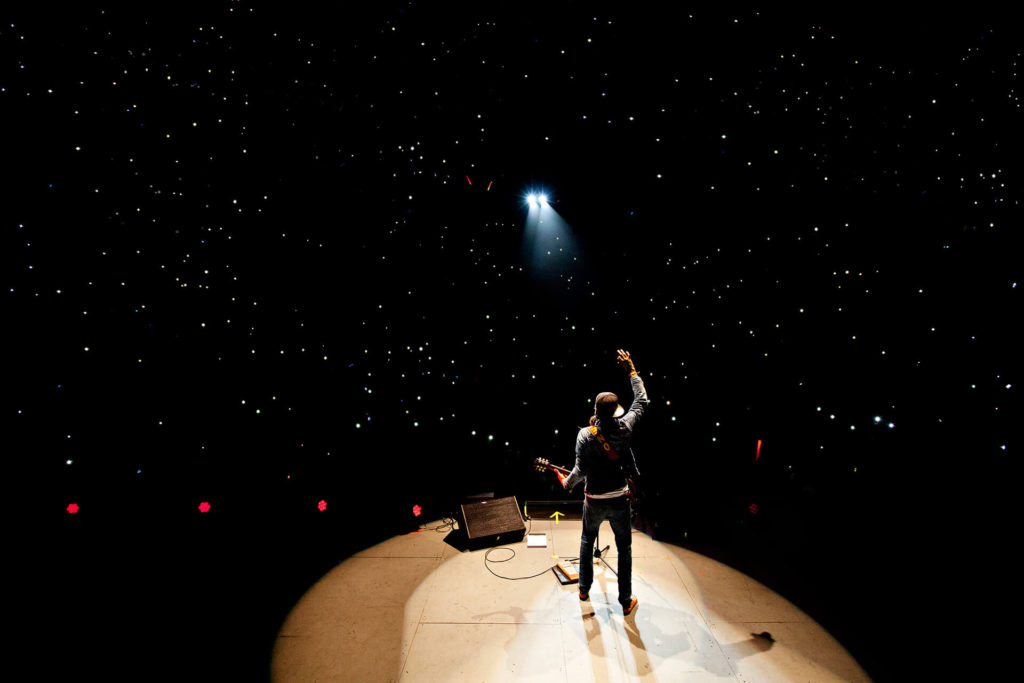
(550, 251)
(758, 455)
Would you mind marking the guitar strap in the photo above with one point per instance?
(612, 455)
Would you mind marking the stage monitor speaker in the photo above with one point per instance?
(490, 522)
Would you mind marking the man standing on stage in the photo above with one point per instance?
(604, 462)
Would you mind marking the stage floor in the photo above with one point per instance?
(414, 608)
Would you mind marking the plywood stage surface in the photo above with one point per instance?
(415, 608)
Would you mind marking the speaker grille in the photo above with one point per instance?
(491, 518)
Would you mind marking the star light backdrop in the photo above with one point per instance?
(268, 268)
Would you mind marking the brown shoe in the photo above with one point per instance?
(584, 596)
(626, 611)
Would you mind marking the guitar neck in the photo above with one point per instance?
(556, 468)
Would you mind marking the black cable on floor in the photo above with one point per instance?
(447, 524)
(514, 578)
(510, 578)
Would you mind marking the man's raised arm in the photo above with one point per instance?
(640, 400)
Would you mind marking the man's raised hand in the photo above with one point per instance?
(627, 361)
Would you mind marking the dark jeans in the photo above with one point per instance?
(616, 511)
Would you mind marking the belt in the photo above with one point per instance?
(611, 494)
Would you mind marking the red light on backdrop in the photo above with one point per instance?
(73, 508)
(758, 455)
(322, 505)
(204, 507)
(417, 510)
